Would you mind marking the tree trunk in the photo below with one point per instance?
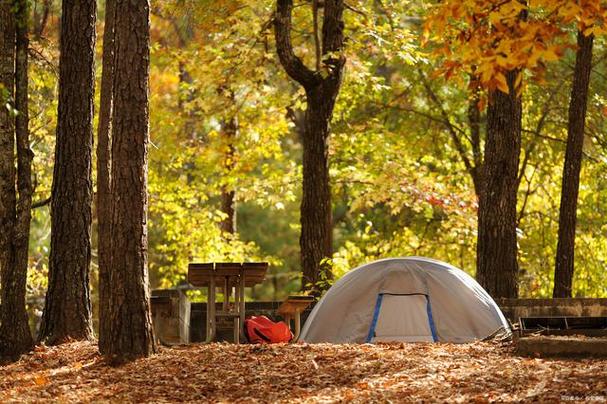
(67, 310)
(316, 214)
(322, 87)
(103, 169)
(129, 334)
(497, 267)
(228, 194)
(565, 250)
(15, 214)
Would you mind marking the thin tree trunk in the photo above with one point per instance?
(15, 214)
(228, 194)
(322, 87)
(565, 250)
(474, 120)
(187, 95)
(67, 310)
(41, 18)
(129, 334)
(497, 267)
(104, 142)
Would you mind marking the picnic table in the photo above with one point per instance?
(230, 276)
(292, 308)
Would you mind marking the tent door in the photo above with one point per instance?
(402, 318)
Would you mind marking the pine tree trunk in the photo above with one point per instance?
(497, 267)
(103, 169)
(67, 310)
(15, 334)
(129, 334)
(565, 250)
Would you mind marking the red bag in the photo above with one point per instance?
(262, 330)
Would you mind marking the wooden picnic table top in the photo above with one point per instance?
(199, 274)
(295, 303)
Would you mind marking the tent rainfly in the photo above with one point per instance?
(410, 299)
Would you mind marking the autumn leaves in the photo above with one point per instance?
(489, 38)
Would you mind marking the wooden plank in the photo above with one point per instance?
(585, 332)
(255, 265)
(199, 274)
(227, 271)
(303, 298)
(160, 304)
(228, 265)
(254, 272)
(201, 266)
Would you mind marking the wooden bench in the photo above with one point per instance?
(292, 308)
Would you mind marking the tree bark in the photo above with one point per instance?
(129, 334)
(104, 141)
(497, 267)
(67, 310)
(316, 212)
(322, 87)
(15, 213)
(565, 250)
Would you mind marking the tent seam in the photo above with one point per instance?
(431, 319)
(380, 296)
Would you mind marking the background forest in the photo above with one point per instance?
(225, 132)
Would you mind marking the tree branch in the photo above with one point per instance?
(316, 37)
(290, 62)
(454, 136)
(528, 193)
(540, 125)
(355, 10)
(333, 34)
(41, 203)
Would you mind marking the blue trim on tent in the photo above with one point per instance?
(375, 317)
(431, 319)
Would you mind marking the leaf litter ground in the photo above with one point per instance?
(478, 372)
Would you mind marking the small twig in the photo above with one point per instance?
(351, 8)
(36, 54)
(41, 203)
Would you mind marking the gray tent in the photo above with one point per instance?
(404, 299)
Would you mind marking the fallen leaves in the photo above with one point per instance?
(477, 372)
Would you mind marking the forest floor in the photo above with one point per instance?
(478, 372)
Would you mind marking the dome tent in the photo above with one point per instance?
(410, 299)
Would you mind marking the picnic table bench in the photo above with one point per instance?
(292, 308)
(228, 276)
